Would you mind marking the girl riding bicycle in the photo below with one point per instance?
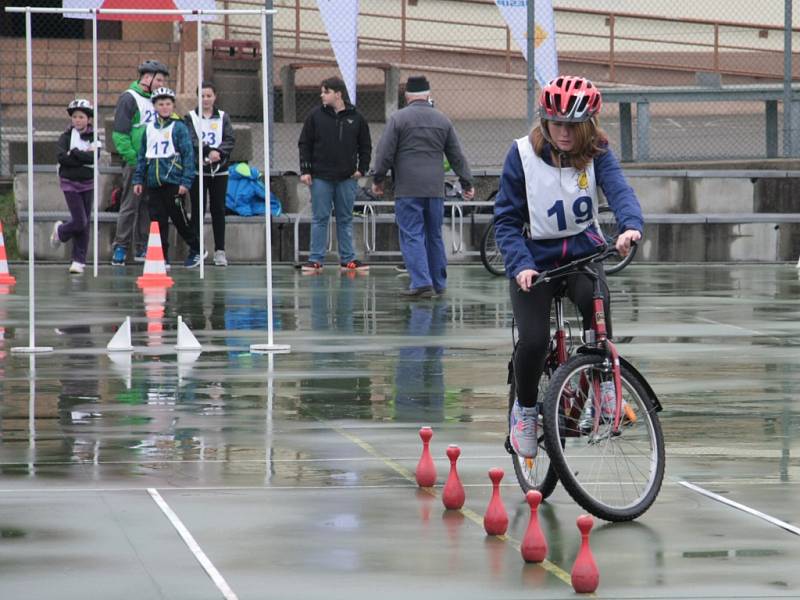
(546, 215)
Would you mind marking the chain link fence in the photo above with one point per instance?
(464, 47)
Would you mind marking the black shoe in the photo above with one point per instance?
(440, 292)
(420, 292)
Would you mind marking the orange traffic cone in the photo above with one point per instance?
(155, 269)
(6, 278)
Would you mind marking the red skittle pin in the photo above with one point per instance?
(426, 470)
(585, 575)
(453, 493)
(495, 520)
(534, 544)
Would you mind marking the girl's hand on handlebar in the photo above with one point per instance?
(624, 241)
(525, 279)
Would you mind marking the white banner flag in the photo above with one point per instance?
(341, 23)
(515, 13)
(143, 4)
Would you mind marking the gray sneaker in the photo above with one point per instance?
(55, 241)
(524, 430)
(220, 259)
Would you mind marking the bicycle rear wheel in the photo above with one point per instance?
(491, 257)
(609, 229)
(533, 473)
(615, 477)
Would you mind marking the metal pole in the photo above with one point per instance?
(788, 133)
(96, 173)
(200, 188)
(270, 346)
(531, 51)
(31, 284)
(271, 82)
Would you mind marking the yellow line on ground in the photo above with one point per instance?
(551, 568)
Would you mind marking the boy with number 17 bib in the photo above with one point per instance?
(167, 164)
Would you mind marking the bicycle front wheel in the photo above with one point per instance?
(533, 473)
(491, 257)
(614, 476)
(608, 226)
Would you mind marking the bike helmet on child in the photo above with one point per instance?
(162, 92)
(153, 66)
(569, 100)
(82, 105)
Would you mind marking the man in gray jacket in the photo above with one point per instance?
(413, 146)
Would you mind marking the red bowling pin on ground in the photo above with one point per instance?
(426, 470)
(585, 575)
(453, 493)
(534, 546)
(495, 520)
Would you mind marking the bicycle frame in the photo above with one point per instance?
(598, 341)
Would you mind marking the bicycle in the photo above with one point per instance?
(599, 431)
(492, 259)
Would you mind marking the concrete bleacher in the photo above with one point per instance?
(691, 215)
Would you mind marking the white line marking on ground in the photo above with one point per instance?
(201, 557)
(742, 507)
(156, 461)
(713, 322)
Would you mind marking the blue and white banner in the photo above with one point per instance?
(515, 13)
(341, 22)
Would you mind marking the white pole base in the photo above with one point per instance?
(186, 340)
(267, 348)
(31, 349)
(121, 342)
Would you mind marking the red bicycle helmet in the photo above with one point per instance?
(569, 100)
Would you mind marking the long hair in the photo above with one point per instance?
(590, 140)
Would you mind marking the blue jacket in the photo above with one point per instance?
(177, 170)
(245, 194)
(511, 214)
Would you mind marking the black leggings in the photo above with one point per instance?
(165, 204)
(532, 316)
(216, 188)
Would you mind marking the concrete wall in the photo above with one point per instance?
(669, 198)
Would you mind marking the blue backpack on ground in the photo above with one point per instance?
(245, 195)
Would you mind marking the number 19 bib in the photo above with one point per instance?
(561, 202)
(159, 142)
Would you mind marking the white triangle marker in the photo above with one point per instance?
(186, 339)
(121, 342)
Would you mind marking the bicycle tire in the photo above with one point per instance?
(537, 473)
(609, 229)
(491, 257)
(590, 465)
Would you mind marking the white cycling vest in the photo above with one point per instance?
(209, 131)
(147, 112)
(75, 141)
(561, 202)
(159, 142)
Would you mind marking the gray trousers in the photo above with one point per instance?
(134, 216)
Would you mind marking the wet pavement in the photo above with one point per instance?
(293, 476)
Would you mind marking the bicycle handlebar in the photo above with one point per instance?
(577, 266)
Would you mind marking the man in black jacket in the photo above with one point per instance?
(335, 150)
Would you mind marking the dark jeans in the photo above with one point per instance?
(532, 317)
(214, 188)
(420, 223)
(77, 229)
(166, 205)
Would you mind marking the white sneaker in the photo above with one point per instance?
(220, 259)
(524, 431)
(76, 268)
(54, 241)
